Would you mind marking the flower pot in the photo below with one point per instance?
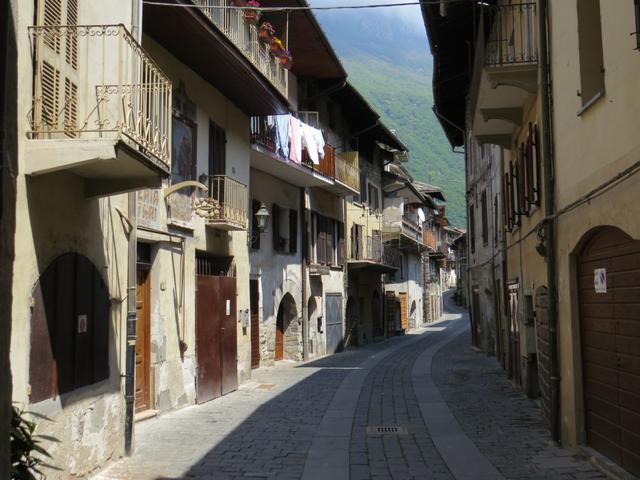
(252, 17)
(286, 62)
(265, 36)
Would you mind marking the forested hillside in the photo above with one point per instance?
(388, 60)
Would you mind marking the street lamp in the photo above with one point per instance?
(262, 216)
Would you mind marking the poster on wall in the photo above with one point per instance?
(183, 168)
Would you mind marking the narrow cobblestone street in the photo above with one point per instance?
(319, 420)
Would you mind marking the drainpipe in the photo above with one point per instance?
(130, 362)
(549, 207)
(303, 272)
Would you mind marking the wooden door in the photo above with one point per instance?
(208, 339)
(390, 314)
(404, 313)
(143, 341)
(279, 353)
(609, 289)
(254, 301)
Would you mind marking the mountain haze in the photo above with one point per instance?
(386, 53)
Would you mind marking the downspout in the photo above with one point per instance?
(130, 362)
(303, 272)
(549, 207)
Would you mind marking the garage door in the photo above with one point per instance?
(609, 289)
(333, 302)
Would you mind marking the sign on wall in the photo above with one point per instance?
(600, 280)
(183, 168)
(148, 208)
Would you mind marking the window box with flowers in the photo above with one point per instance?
(252, 15)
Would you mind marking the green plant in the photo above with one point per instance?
(26, 452)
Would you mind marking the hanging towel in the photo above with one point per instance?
(319, 142)
(282, 135)
(309, 140)
(295, 139)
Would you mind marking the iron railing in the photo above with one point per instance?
(231, 22)
(225, 203)
(512, 38)
(92, 80)
(374, 250)
(347, 169)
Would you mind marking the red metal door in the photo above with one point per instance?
(254, 300)
(208, 339)
(228, 334)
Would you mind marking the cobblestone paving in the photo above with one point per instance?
(388, 399)
(506, 426)
(265, 429)
(261, 431)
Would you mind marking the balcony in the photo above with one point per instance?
(505, 72)
(404, 234)
(244, 36)
(370, 254)
(429, 239)
(334, 172)
(101, 109)
(225, 206)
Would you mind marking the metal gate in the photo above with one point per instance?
(609, 289)
(333, 311)
(216, 329)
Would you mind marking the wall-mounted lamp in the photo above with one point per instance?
(262, 216)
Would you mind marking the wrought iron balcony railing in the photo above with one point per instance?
(373, 249)
(225, 204)
(231, 22)
(512, 38)
(93, 81)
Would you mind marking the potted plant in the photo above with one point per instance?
(286, 60)
(266, 32)
(277, 47)
(252, 14)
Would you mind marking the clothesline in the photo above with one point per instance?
(292, 135)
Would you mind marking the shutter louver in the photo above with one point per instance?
(50, 89)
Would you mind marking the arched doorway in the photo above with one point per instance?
(609, 293)
(69, 328)
(288, 331)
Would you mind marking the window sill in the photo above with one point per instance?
(591, 102)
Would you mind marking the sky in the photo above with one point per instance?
(410, 15)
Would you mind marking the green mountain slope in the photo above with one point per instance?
(392, 69)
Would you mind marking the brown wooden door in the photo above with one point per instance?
(610, 335)
(143, 341)
(254, 301)
(404, 312)
(279, 353)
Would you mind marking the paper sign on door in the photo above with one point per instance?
(600, 280)
(228, 309)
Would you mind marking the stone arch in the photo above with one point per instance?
(288, 330)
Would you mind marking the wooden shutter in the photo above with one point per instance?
(538, 166)
(340, 252)
(363, 187)
(321, 247)
(275, 214)
(293, 231)
(217, 150)
(57, 52)
(255, 231)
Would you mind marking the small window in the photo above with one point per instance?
(590, 51)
